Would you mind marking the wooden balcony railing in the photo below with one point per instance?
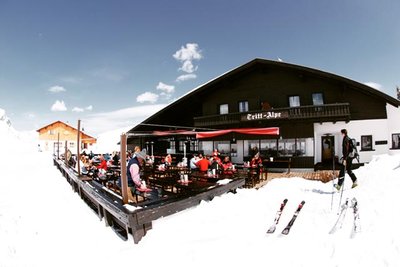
(328, 112)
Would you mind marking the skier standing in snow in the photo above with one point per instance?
(347, 161)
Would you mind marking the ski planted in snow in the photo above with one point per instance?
(356, 222)
(339, 222)
(296, 213)
(277, 217)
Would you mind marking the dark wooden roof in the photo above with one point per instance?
(255, 63)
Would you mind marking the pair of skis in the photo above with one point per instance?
(356, 217)
(278, 216)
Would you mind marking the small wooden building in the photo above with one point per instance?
(57, 133)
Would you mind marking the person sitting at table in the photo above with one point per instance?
(115, 158)
(203, 163)
(256, 161)
(215, 152)
(216, 163)
(168, 160)
(84, 165)
(103, 163)
(193, 162)
(227, 166)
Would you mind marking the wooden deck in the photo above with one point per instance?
(323, 176)
(135, 219)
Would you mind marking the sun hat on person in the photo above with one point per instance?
(141, 154)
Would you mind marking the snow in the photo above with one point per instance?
(44, 223)
(108, 142)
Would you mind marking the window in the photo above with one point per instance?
(294, 101)
(318, 99)
(286, 147)
(182, 145)
(243, 106)
(396, 141)
(269, 148)
(366, 142)
(51, 132)
(194, 145)
(224, 147)
(206, 147)
(251, 147)
(223, 109)
(172, 145)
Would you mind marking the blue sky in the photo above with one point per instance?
(113, 63)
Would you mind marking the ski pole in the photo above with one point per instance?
(333, 175)
(341, 190)
(333, 189)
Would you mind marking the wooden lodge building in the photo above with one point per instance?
(308, 106)
(59, 132)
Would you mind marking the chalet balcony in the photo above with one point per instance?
(321, 113)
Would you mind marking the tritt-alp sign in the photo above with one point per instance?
(267, 115)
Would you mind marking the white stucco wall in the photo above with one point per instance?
(355, 129)
(393, 125)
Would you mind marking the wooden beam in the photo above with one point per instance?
(124, 180)
(58, 145)
(65, 155)
(78, 142)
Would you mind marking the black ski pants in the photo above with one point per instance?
(347, 168)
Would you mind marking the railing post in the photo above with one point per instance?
(58, 145)
(78, 148)
(66, 153)
(124, 180)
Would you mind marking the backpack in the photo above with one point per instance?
(353, 153)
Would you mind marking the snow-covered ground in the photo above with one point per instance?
(44, 223)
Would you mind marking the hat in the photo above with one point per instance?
(141, 154)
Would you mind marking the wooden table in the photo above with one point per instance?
(194, 186)
(202, 176)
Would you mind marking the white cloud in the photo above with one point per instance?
(57, 89)
(186, 55)
(147, 97)
(58, 106)
(123, 118)
(76, 109)
(186, 77)
(168, 89)
(374, 85)
(188, 67)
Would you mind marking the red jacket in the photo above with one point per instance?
(103, 165)
(203, 164)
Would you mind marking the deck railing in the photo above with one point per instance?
(326, 112)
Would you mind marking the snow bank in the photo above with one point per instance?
(44, 223)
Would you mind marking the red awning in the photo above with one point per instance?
(252, 131)
(209, 134)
